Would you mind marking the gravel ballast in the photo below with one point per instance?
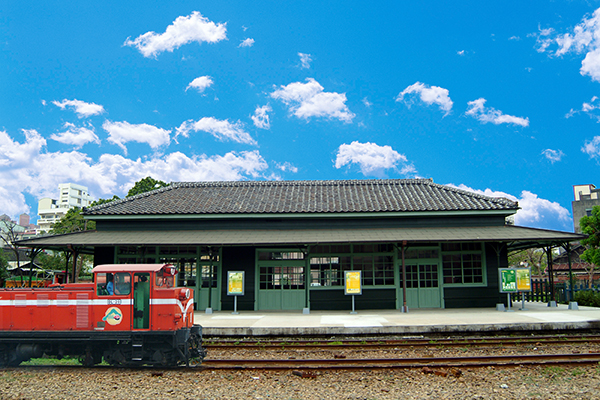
(526, 382)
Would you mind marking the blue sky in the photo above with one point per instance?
(501, 98)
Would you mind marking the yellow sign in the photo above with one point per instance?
(353, 282)
(235, 283)
(523, 279)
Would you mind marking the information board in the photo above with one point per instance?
(508, 280)
(353, 282)
(523, 279)
(235, 283)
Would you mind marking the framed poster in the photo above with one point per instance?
(507, 280)
(352, 282)
(235, 283)
(523, 279)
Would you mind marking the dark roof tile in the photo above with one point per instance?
(279, 197)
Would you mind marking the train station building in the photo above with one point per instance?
(294, 240)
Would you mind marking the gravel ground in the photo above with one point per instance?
(555, 382)
(527, 382)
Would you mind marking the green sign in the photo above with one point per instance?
(508, 280)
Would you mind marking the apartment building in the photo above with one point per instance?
(52, 210)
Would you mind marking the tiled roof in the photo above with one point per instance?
(296, 197)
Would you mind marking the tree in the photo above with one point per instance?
(145, 185)
(534, 258)
(591, 227)
(104, 201)
(9, 234)
(73, 221)
(3, 268)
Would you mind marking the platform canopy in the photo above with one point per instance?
(515, 237)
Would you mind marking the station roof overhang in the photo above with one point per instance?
(515, 237)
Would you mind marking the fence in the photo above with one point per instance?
(541, 291)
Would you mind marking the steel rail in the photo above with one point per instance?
(354, 344)
(431, 362)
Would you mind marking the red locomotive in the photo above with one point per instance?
(132, 314)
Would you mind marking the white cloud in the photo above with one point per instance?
(428, 95)
(120, 133)
(366, 102)
(592, 148)
(534, 212)
(305, 60)
(478, 111)
(590, 109)
(553, 155)
(461, 53)
(308, 99)
(247, 43)
(221, 129)
(200, 83)
(371, 158)
(24, 169)
(287, 167)
(76, 136)
(261, 117)
(82, 108)
(585, 38)
(184, 30)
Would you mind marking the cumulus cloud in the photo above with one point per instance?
(261, 117)
(287, 167)
(220, 129)
(584, 39)
(247, 43)
(120, 133)
(81, 108)
(478, 111)
(305, 60)
(308, 99)
(590, 109)
(428, 95)
(553, 155)
(371, 158)
(200, 83)
(535, 212)
(24, 170)
(184, 30)
(77, 136)
(592, 147)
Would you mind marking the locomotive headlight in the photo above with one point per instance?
(184, 294)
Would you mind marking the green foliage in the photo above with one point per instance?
(534, 258)
(591, 226)
(145, 185)
(587, 298)
(3, 266)
(72, 222)
(104, 201)
(54, 262)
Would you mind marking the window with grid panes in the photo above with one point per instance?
(462, 263)
(328, 271)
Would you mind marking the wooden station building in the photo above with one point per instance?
(295, 239)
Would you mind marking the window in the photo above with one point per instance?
(462, 263)
(376, 269)
(121, 284)
(328, 271)
(281, 277)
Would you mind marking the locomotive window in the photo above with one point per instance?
(122, 283)
(164, 281)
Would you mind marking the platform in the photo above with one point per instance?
(535, 317)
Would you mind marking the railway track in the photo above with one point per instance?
(399, 343)
(390, 363)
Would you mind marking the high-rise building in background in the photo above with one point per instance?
(586, 197)
(24, 220)
(51, 210)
